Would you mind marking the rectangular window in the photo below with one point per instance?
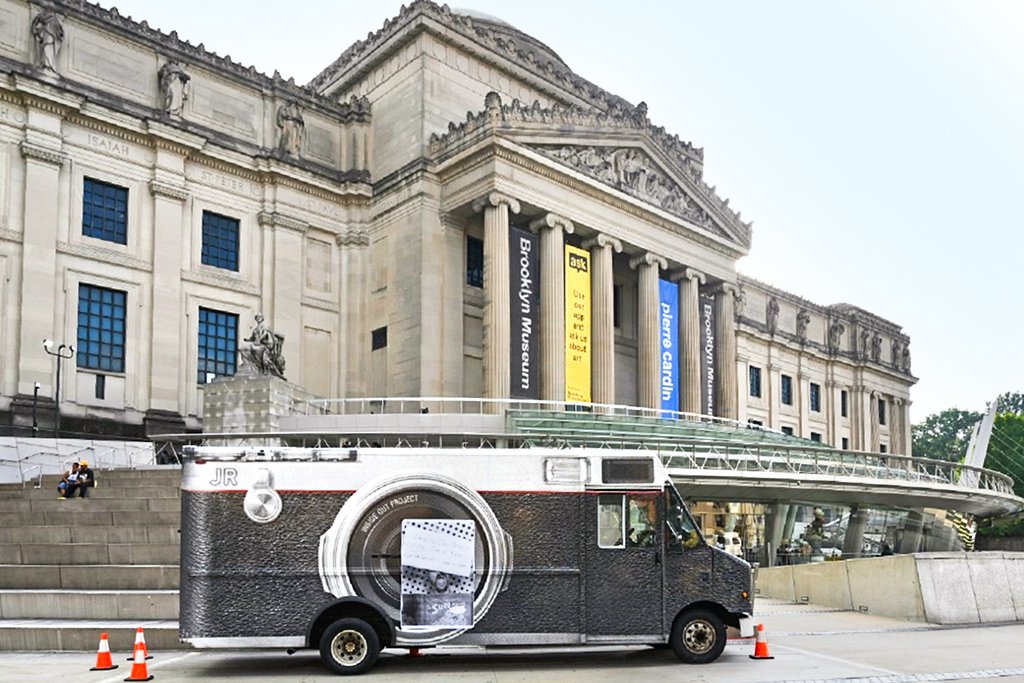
(787, 390)
(218, 344)
(846, 444)
(474, 261)
(101, 316)
(881, 412)
(788, 431)
(379, 338)
(105, 211)
(755, 382)
(611, 531)
(815, 397)
(616, 294)
(220, 241)
(755, 423)
(882, 448)
(844, 403)
(101, 387)
(816, 437)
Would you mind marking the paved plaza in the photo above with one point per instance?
(809, 644)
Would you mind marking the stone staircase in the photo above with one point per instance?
(71, 569)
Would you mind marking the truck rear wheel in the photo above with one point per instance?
(349, 647)
(698, 636)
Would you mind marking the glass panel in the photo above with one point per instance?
(684, 531)
(610, 528)
(643, 520)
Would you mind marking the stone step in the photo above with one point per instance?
(58, 504)
(89, 553)
(75, 516)
(90, 577)
(102, 492)
(84, 635)
(90, 534)
(81, 604)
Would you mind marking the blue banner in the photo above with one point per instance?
(668, 344)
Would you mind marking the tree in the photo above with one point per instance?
(945, 435)
(1010, 402)
(1006, 448)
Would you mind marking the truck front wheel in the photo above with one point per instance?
(698, 636)
(349, 647)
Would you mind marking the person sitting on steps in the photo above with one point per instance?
(69, 482)
(86, 479)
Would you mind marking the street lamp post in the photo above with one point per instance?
(63, 351)
(35, 406)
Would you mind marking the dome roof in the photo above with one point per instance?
(525, 42)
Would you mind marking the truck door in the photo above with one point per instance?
(623, 574)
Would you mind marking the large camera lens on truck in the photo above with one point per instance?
(361, 553)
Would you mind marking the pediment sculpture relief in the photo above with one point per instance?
(634, 173)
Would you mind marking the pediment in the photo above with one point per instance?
(625, 152)
(634, 172)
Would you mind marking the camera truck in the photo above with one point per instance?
(352, 550)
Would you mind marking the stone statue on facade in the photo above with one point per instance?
(261, 351)
(740, 302)
(876, 347)
(896, 355)
(803, 321)
(48, 33)
(173, 82)
(291, 127)
(865, 338)
(906, 359)
(835, 336)
(772, 315)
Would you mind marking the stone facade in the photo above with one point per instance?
(359, 198)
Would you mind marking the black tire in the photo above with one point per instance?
(698, 636)
(349, 647)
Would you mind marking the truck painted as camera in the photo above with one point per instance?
(303, 548)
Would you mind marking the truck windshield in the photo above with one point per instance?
(680, 523)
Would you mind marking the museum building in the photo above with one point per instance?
(446, 210)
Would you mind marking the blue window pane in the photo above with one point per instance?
(105, 211)
(217, 348)
(100, 311)
(220, 241)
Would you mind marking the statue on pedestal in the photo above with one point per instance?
(260, 352)
(49, 36)
(173, 80)
(291, 127)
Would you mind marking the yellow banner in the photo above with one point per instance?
(577, 325)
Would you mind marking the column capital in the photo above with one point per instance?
(688, 274)
(277, 220)
(602, 240)
(552, 220)
(168, 191)
(50, 156)
(496, 199)
(355, 236)
(726, 288)
(650, 259)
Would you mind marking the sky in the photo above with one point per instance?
(878, 146)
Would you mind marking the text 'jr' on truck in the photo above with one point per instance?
(356, 550)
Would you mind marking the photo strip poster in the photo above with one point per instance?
(438, 572)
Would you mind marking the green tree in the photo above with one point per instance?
(1006, 448)
(945, 435)
(1010, 402)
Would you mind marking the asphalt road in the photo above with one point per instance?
(808, 643)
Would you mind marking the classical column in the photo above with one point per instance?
(552, 229)
(40, 285)
(896, 426)
(647, 321)
(285, 296)
(353, 317)
(853, 542)
(496, 208)
(166, 354)
(725, 356)
(873, 446)
(690, 282)
(602, 316)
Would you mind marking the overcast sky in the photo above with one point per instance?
(878, 146)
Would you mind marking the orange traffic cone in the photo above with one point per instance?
(140, 642)
(761, 646)
(103, 659)
(140, 671)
